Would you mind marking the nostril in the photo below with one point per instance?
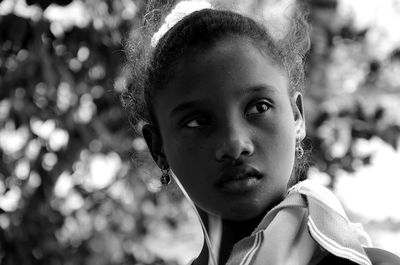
(234, 150)
(246, 152)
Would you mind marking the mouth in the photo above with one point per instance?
(238, 179)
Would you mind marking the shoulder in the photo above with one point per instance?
(376, 255)
(382, 257)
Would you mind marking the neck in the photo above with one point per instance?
(232, 232)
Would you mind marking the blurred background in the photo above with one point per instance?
(77, 185)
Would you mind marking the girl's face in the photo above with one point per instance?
(227, 129)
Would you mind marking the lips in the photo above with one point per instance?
(237, 174)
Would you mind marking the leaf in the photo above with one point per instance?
(14, 29)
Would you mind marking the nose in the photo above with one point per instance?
(234, 144)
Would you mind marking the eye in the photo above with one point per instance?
(258, 108)
(196, 122)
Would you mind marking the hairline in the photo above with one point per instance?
(203, 47)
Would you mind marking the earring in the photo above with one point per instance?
(165, 177)
(299, 150)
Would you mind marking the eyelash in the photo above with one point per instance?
(186, 124)
(265, 103)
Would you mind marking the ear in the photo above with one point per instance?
(154, 142)
(298, 110)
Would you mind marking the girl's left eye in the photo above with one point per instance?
(258, 108)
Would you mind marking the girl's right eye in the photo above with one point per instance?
(196, 122)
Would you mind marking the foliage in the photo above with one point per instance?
(354, 91)
(67, 191)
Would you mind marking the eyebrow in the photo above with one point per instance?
(187, 105)
(242, 92)
(257, 88)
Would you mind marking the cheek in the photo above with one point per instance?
(287, 141)
(279, 152)
(192, 165)
(185, 157)
(278, 143)
(287, 147)
(184, 147)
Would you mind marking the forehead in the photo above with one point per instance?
(231, 64)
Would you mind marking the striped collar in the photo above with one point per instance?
(308, 220)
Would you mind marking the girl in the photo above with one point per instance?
(223, 107)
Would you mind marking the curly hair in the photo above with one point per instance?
(151, 68)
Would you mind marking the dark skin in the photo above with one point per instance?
(228, 129)
(232, 232)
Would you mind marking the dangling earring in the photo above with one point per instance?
(299, 149)
(165, 177)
